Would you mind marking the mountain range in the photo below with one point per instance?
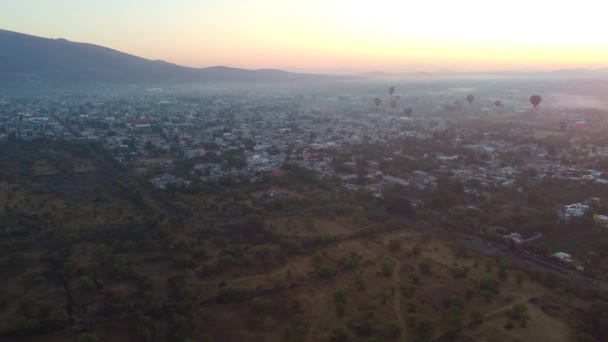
(29, 58)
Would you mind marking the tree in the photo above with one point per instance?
(297, 329)
(395, 201)
(476, 316)
(340, 301)
(280, 283)
(360, 283)
(184, 260)
(260, 306)
(87, 337)
(386, 268)
(425, 330)
(394, 329)
(598, 316)
(351, 261)
(339, 334)
(411, 321)
(416, 249)
(520, 313)
(415, 278)
(58, 319)
(86, 284)
(408, 290)
(394, 244)
(443, 200)
(144, 327)
(459, 271)
(461, 250)
(121, 267)
(254, 222)
(411, 306)
(489, 284)
(454, 328)
(502, 272)
(425, 266)
(308, 222)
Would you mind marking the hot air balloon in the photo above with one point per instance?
(535, 100)
(397, 97)
(377, 101)
(470, 99)
(458, 105)
(498, 103)
(408, 111)
(393, 104)
(391, 90)
(563, 125)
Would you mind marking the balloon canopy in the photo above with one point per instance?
(470, 98)
(535, 100)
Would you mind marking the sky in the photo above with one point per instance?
(332, 35)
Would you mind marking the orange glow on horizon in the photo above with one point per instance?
(327, 35)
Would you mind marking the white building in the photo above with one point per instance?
(574, 210)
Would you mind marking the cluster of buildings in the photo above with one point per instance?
(172, 139)
(248, 136)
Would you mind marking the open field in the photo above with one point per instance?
(86, 253)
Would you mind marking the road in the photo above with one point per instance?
(521, 259)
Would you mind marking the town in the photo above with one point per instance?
(340, 171)
(493, 152)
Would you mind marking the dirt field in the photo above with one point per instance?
(381, 301)
(302, 227)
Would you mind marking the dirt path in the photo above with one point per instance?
(237, 280)
(499, 311)
(317, 317)
(397, 298)
(396, 294)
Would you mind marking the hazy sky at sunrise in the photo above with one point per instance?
(330, 35)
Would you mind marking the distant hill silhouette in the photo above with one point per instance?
(30, 58)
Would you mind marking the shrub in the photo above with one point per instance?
(360, 283)
(394, 329)
(425, 266)
(459, 271)
(394, 244)
(386, 268)
(339, 334)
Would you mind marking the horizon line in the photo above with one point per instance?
(334, 72)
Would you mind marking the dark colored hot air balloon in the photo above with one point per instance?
(535, 100)
(457, 105)
(498, 103)
(470, 99)
(393, 104)
(377, 101)
(454, 107)
(408, 111)
(563, 125)
(397, 97)
(391, 90)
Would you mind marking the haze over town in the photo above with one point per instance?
(303, 171)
